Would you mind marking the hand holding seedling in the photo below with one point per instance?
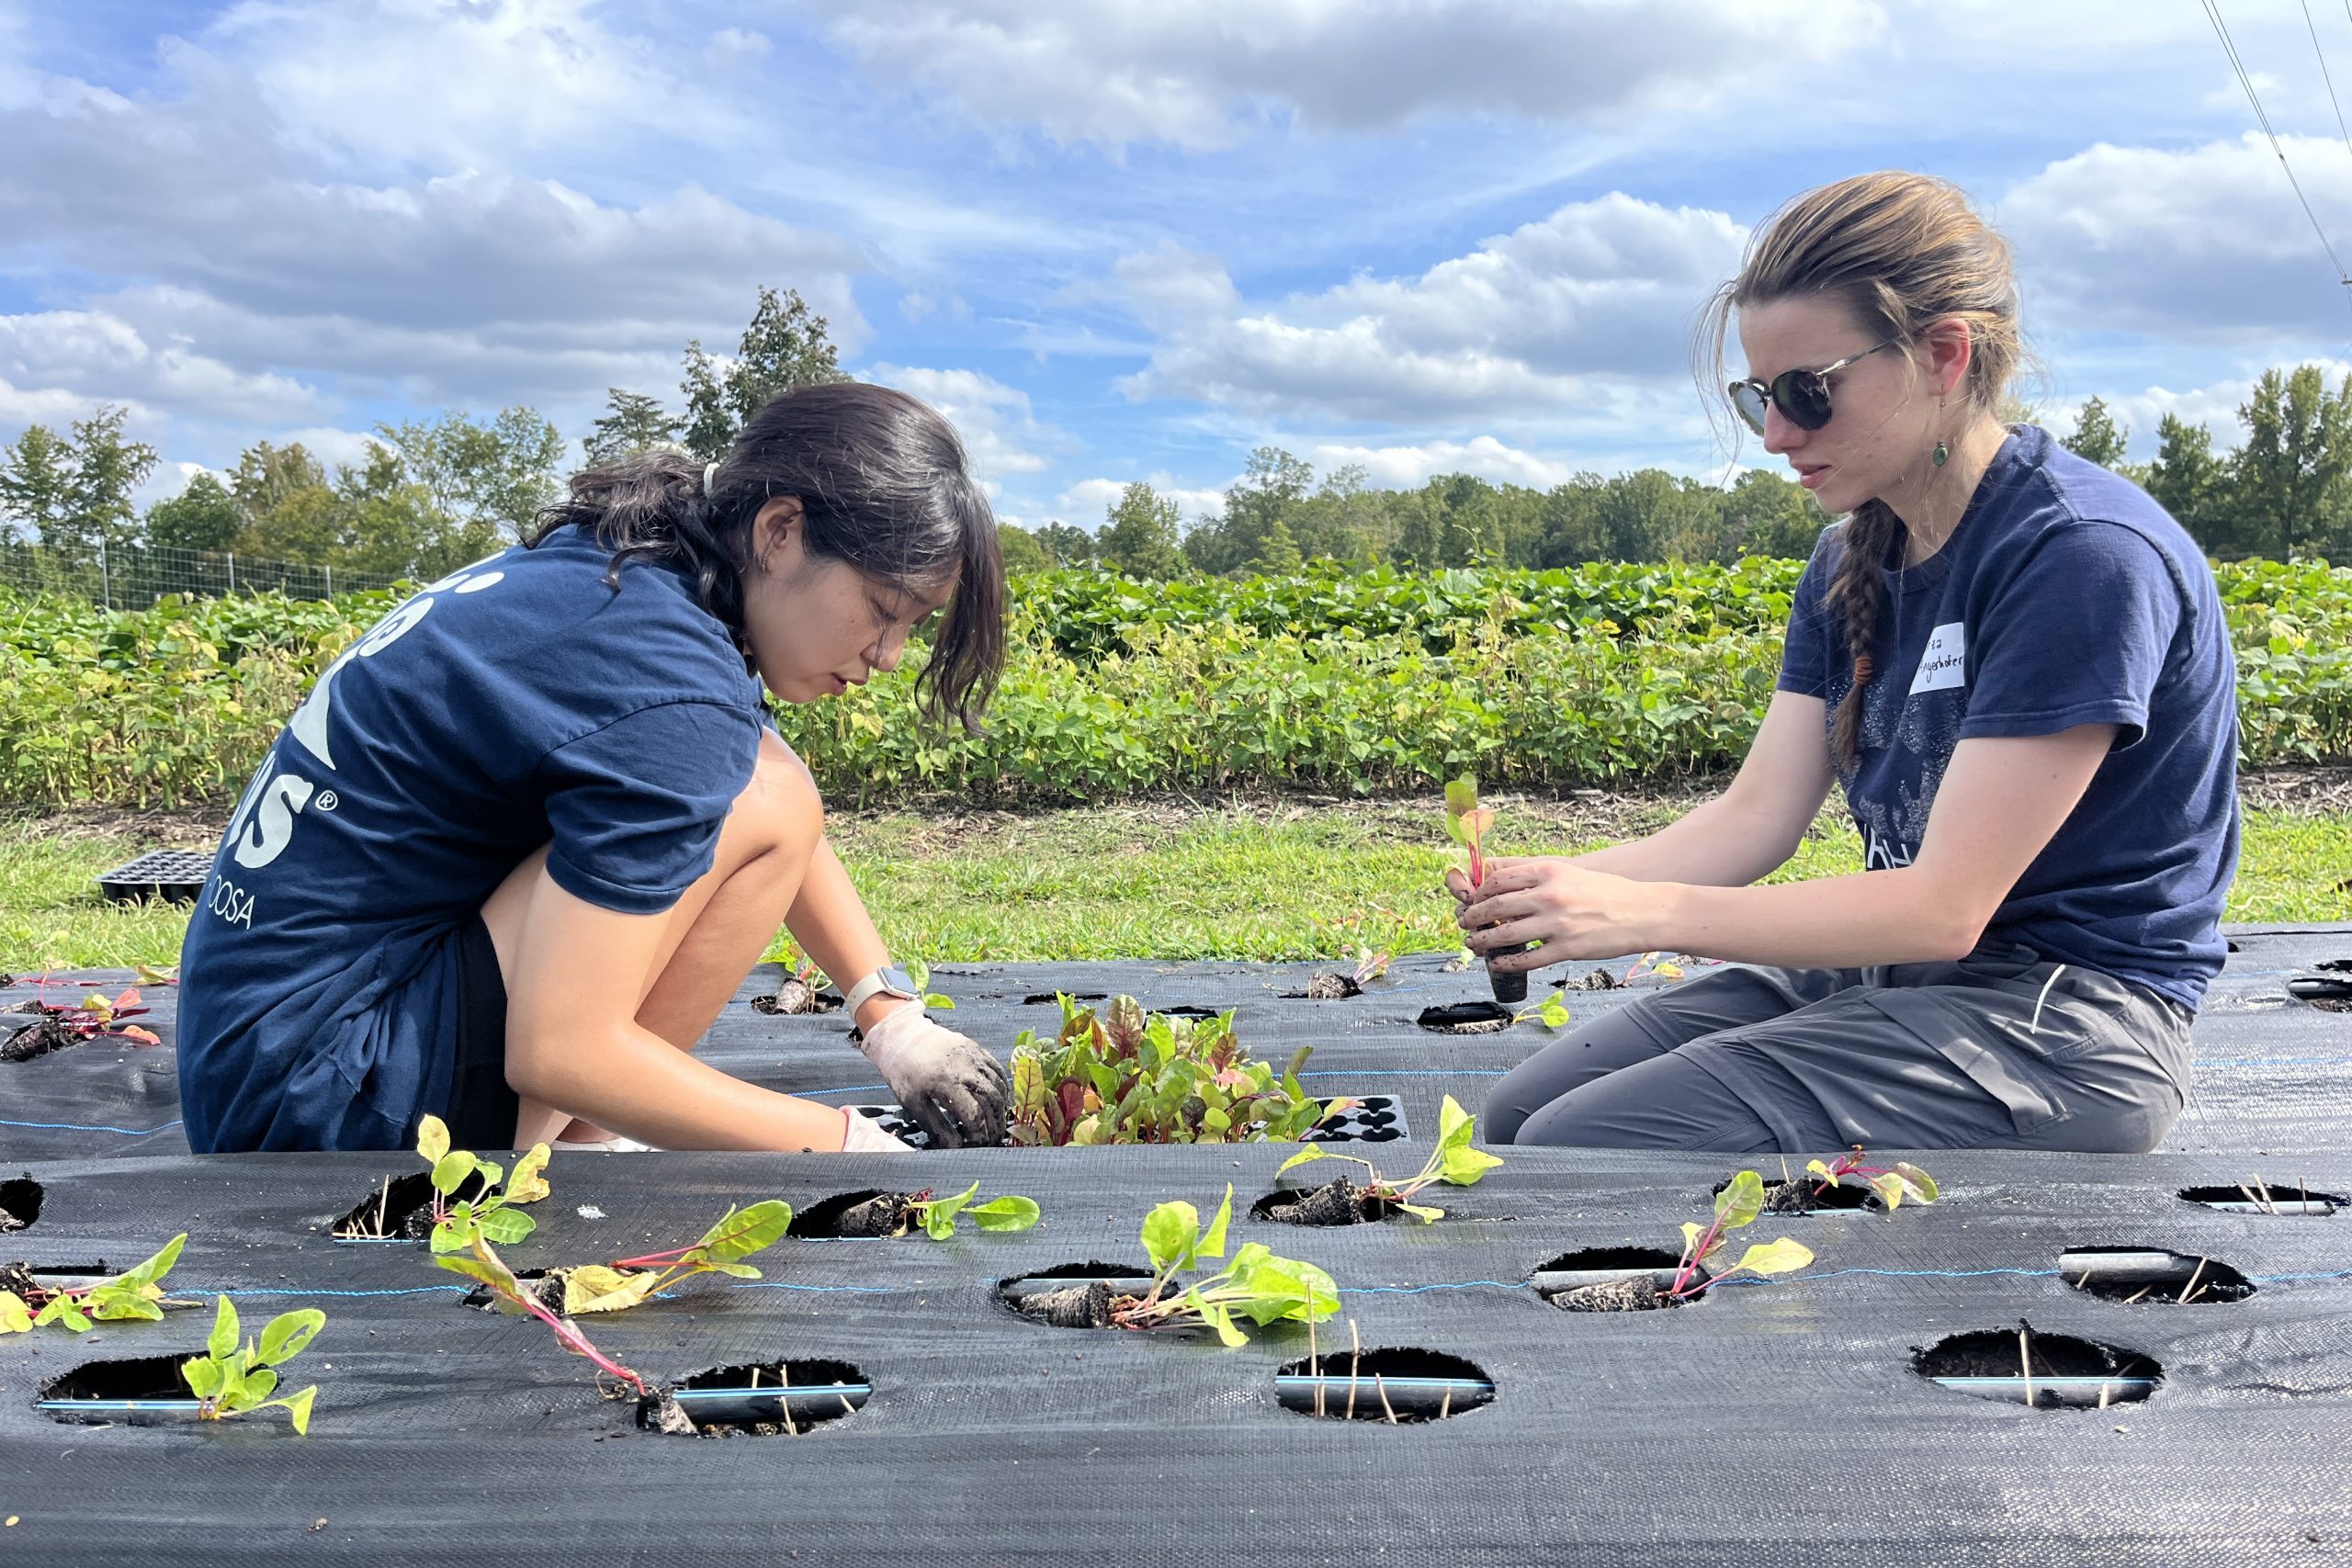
(1574, 913)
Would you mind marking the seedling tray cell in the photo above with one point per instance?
(175, 875)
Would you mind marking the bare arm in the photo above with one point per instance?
(2000, 803)
(830, 920)
(1749, 830)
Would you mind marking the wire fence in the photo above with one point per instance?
(134, 577)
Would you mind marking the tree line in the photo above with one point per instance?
(431, 495)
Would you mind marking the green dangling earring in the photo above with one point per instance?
(1942, 455)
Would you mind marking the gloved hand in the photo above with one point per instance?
(954, 1092)
(865, 1136)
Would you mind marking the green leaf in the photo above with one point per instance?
(594, 1288)
(432, 1140)
(1740, 1202)
(1422, 1212)
(497, 1276)
(1171, 1235)
(15, 1318)
(203, 1375)
(1781, 1256)
(939, 1214)
(222, 1343)
(288, 1333)
(1310, 1153)
(1691, 1232)
(1217, 1318)
(64, 1309)
(1454, 1125)
(1464, 1167)
(1890, 1189)
(1213, 1243)
(525, 1184)
(152, 1270)
(450, 1171)
(740, 1233)
(112, 1304)
(733, 1270)
(1010, 1212)
(1923, 1186)
(1815, 1167)
(454, 1234)
(254, 1387)
(298, 1407)
(505, 1225)
(491, 1174)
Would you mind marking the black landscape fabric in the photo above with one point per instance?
(1777, 1423)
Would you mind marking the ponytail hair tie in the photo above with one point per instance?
(707, 470)
(1862, 670)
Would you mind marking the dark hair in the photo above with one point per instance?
(1902, 251)
(883, 486)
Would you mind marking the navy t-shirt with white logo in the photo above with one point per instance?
(519, 703)
(2066, 596)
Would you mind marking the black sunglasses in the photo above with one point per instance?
(1802, 396)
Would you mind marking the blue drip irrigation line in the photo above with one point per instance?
(78, 1127)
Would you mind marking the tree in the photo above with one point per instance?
(1066, 544)
(1140, 534)
(1767, 515)
(1277, 553)
(632, 423)
(498, 473)
(1343, 520)
(1020, 549)
(2097, 437)
(390, 527)
(785, 346)
(2288, 478)
(266, 476)
(1268, 490)
(36, 484)
(204, 516)
(73, 492)
(2190, 482)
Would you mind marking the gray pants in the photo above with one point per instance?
(1990, 1052)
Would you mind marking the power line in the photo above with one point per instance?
(2324, 72)
(2213, 14)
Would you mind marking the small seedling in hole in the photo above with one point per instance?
(495, 1213)
(920, 973)
(1118, 1076)
(1454, 1161)
(900, 1214)
(626, 1282)
(1737, 1205)
(484, 1265)
(1550, 1012)
(136, 1292)
(1891, 1183)
(229, 1380)
(1254, 1283)
(94, 1017)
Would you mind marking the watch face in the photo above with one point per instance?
(897, 981)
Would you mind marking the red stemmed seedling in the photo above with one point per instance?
(1453, 1161)
(1737, 1205)
(1891, 1184)
(1467, 824)
(94, 1017)
(137, 1293)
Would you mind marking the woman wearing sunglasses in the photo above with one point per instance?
(2015, 664)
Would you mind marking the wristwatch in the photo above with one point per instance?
(889, 980)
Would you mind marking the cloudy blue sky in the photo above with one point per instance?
(1116, 239)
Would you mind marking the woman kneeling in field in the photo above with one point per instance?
(2016, 664)
(524, 837)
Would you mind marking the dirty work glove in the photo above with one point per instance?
(954, 1090)
(865, 1136)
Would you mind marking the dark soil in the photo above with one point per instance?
(1329, 988)
(867, 1213)
(2016, 1352)
(2288, 1195)
(1339, 1201)
(1598, 980)
(1351, 1388)
(1048, 998)
(1638, 1294)
(1074, 1306)
(662, 1412)
(1805, 1195)
(547, 1284)
(19, 1203)
(16, 1279)
(796, 998)
(144, 1377)
(405, 1214)
(1465, 1018)
(38, 1039)
(1188, 1012)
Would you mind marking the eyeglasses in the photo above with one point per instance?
(1802, 396)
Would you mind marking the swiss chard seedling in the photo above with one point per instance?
(1342, 1202)
(1117, 1077)
(1467, 823)
(1254, 1283)
(624, 1282)
(136, 1292)
(494, 1210)
(1889, 1184)
(483, 1265)
(94, 1016)
(1737, 1205)
(228, 1380)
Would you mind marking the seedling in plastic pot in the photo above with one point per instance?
(92, 1018)
(1466, 823)
(494, 1214)
(228, 1381)
(1891, 1184)
(1737, 1205)
(1118, 1076)
(1342, 1202)
(739, 1234)
(136, 1292)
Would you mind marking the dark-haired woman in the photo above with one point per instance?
(2017, 666)
(526, 836)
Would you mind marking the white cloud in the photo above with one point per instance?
(1557, 319)
(2215, 405)
(1087, 501)
(1206, 73)
(2206, 242)
(100, 357)
(1000, 433)
(1408, 466)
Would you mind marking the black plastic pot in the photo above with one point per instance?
(1511, 988)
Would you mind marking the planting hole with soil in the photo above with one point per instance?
(19, 1203)
(875, 1213)
(141, 1392)
(1344, 1202)
(2277, 1199)
(1465, 1018)
(2048, 1371)
(1737, 1205)
(1073, 1295)
(399, 1208)
(2135, 1274)
(796, 998)
(1337, 1202)
(1611, 1279)
(1048, 998)
(1399, 1387)
(1826, 1187)
(764, 1399)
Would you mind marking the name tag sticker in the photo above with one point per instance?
(1945, 662)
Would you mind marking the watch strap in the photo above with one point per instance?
(874, 984)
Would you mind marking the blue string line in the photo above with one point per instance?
(78, 1127)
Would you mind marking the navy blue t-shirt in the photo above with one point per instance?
(2066, 596)
(519, 703)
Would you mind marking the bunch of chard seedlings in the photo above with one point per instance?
(1118, 1076)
